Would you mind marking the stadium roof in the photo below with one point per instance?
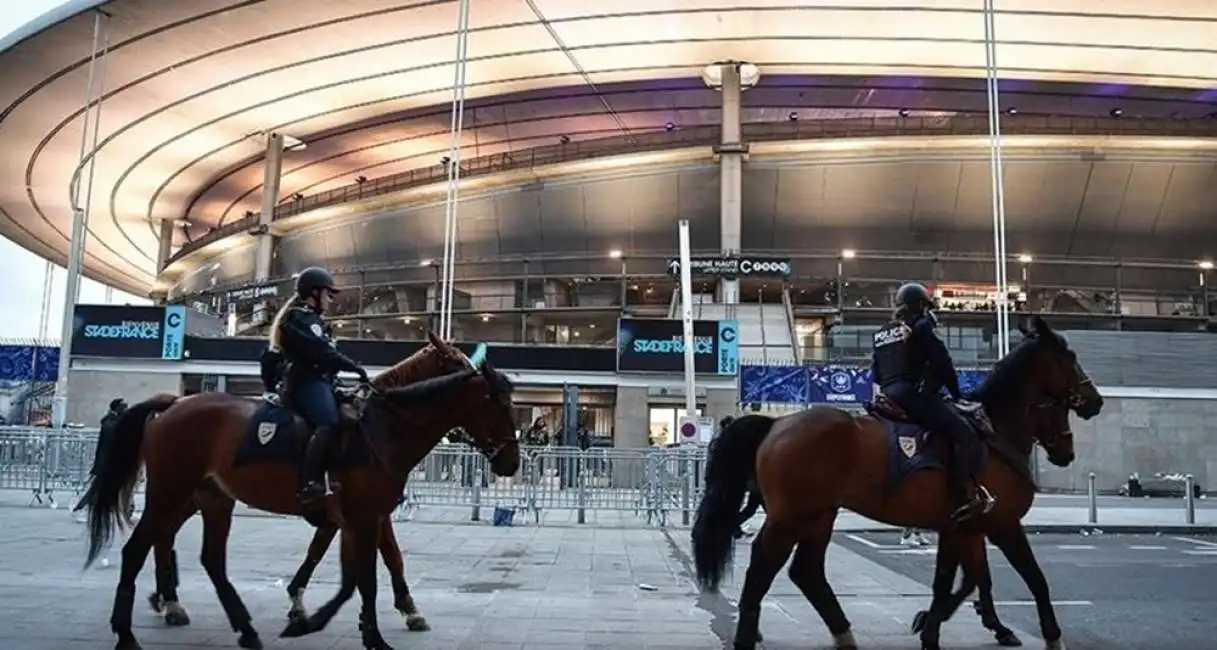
(189, 88)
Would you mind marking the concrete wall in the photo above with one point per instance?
(631, 418)
(1141, 435)
(90, 391)
(1161, 359)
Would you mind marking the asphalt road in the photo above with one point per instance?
(1112, 591)
(1118, 502)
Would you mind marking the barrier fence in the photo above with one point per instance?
(659, 486)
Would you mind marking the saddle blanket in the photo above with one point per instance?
(913, 448)
(273, 434)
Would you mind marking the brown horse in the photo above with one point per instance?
(193, 443)
(808, 465)
(164, 601)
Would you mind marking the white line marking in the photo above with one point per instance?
(863, 541)
(909, 551)
(1057, 603)
(1075, 547)
(1197, 542)
(1146, 548)
(1203, 551)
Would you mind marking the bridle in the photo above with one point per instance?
(495, 392)
(1072, 400)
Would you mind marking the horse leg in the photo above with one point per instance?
(1017, 549)
(134, 555)
(217, 524)
(403, 602)
(164, 600)
(807, 573)
(770, 550)
(322, 538)
(367, 539)
(985, 608)
(929, 623)
(317, 621)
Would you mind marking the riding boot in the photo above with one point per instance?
(971, 498)
(314, 488)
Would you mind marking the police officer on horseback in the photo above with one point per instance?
(300, 334)
(911, 365)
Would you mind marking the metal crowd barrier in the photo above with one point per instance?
(659, 486)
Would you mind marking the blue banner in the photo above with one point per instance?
(173, 337)
(774, 384)
(728, 347)
(844, 385)
(28, 363)
(839, 385)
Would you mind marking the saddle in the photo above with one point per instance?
(278, 433)
(973, 412)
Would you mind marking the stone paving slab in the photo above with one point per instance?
(481, 587)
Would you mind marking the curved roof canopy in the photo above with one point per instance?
(188, 88)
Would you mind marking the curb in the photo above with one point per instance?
(1111, 529)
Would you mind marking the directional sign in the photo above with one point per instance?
(730, 267)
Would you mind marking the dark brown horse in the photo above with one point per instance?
(191, 446)
(808, 465)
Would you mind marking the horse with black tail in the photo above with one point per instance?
(808, 465)
(197, 442)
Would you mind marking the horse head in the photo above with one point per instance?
(447, 389)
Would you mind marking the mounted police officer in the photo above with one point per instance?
(302, 337)
(911, 366)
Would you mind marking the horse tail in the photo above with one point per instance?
(113, 484)
(730, 463)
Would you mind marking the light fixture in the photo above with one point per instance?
(749, 74)
(669, 127)
(485, 318)
(297, 197)
(793, 116)
(293, 144)
(1206, 265)
(1026, 258)
(427, 262)
(904, 112)
(360, 180)
(576, 332)
(848, 254)
(564, 139)
(615, 254)
(1012, 111)
(407, 320)
(1117, 112)
(591, 326)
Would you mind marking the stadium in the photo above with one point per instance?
(826, 153)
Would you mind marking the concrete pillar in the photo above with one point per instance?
(164, 244)
(721, 402)
(270, 198)
(731, 159)
(631, 418)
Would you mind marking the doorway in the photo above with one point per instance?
(663, 422)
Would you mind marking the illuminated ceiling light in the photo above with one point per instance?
(848, 254)
(1012, 111)
(1206, 265)
(564, 139)
(793, 116)
(591, 326)
(749, 74)
(669, 127)
(427, 262)
(293, 144)
(1025, 258)
(904, 112)
(1117, 112)
(485, 317)
(615, 253)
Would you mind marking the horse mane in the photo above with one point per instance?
(407, 371)
(1007, 375)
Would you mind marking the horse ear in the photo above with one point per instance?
(1041, 326)
(435, 340)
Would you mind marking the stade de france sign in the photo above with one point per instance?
(731, 267)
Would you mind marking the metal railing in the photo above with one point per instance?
(659, 486)
(710, 135)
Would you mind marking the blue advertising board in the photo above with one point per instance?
(843, 385)
(173, 339)
(129, 332)
(655, 345)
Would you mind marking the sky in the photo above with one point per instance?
(24, 272)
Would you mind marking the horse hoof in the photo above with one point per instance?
(373, 641)
(250, 641)
(417, 623)
(1054, 645)
(297, 615)
(177, 618)
(128, 644)
(845, 641)
(1008, 639)
(297, 627)
(918, 623)
(930, 646)
(154, 601)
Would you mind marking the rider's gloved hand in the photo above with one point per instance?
(363, 375)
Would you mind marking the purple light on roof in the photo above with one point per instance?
(1110, 90)
(1209, 95)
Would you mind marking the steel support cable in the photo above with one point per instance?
(451, 204)
(997, 182)
(587, 79)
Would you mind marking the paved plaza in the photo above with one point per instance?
(481, 587)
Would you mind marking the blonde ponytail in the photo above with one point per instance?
(276, 325)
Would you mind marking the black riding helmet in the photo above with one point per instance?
(913, 298)
(314, 279)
